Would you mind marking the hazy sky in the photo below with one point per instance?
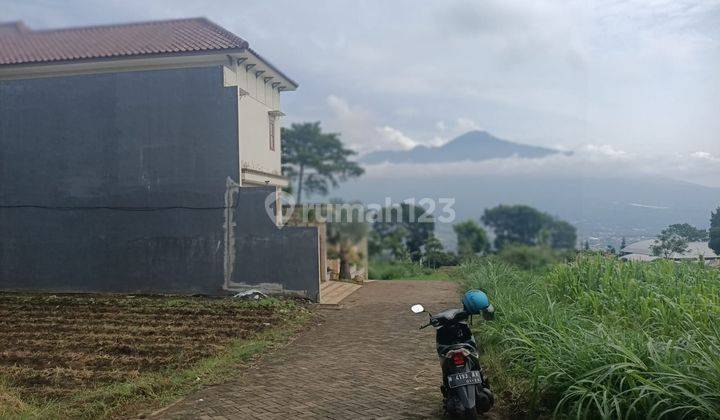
(616, 79)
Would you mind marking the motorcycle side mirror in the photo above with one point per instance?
(417, 309)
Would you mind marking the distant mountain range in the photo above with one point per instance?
(604, 210)
(473, 146)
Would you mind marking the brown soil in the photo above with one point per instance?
(54, 345)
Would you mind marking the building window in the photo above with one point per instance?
(271, 119)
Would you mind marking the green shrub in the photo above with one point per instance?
(602, 338)
(528, 257)
(441, 259)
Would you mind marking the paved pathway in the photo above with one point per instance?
(367, 360)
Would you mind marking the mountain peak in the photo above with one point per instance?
(474, 145)
(475, 134)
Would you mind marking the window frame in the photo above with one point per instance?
(271, 132)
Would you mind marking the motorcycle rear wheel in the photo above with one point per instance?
(470, 414)
(484, 400)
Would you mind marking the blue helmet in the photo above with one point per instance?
(475, 301)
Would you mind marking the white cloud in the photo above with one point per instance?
(395, 137)
(606, 150)
(437, 141)
(705, 156)
(359, 128)
(340, 107)
(353, 122)
(463, 125)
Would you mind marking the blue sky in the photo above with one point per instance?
(634, 82)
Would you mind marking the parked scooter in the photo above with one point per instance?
(466, 392)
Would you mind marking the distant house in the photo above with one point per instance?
(125, 151)
(642, 251)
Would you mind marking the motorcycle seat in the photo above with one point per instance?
(450, 315)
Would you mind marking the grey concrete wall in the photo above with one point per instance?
(285, 260)
(116, 182)
(126, 141)
(147, 138)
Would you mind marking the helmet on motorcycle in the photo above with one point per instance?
(475, 301)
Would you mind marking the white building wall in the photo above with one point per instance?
(256, 100)
(254, 127)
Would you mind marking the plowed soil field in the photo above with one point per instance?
(52, 346)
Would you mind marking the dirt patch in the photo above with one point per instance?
(53, 346)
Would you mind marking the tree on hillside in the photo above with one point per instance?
(623, 243)
(715, 231)
(689, 232)
(392, 241)
(520, 224)
(435, 255)
(408, 223)
(314, 160)
(471, 239)
(375, 244)
(563, 235)
(668, 243)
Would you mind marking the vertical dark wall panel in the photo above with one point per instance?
(287, 257)
(156, 140)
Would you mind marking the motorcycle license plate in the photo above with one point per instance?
(466, 378)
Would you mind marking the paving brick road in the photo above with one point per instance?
(366, 360)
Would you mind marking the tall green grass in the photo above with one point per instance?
(403, 270)
(599, 338)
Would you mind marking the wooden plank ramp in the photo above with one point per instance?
(333, 292)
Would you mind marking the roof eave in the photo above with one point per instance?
(290, 81)
(119, 58)
(116, 64)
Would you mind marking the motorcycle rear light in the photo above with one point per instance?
(458, 359)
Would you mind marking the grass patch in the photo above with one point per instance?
(528, 257)
(10, 404)
(406, 270)
(154, 389)
(600, 338)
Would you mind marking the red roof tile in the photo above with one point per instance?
(20, 45)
